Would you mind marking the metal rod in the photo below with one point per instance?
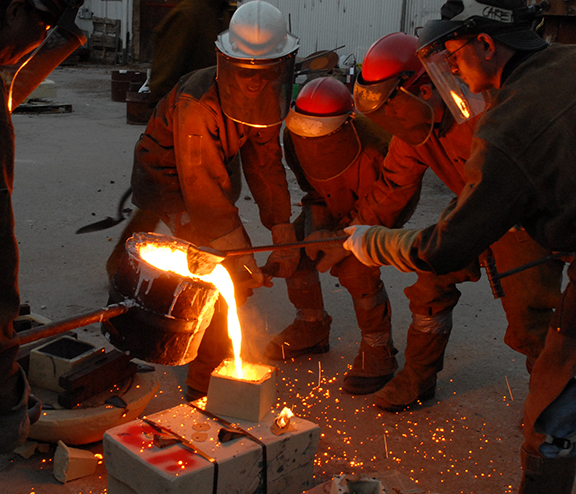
(293, 245)
(58, 327)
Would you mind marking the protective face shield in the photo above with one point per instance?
(462, 103)
(255, 92)
(326, 156)
(256, 58)
(395, 109)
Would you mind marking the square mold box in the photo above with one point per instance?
(239, 398)
(48, 362)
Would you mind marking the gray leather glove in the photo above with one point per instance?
(237, 266)
(333, 253)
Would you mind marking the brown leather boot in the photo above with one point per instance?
(424, 358)
(546, 475)
(375, 363)
(300, 338)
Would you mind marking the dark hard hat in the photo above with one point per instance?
(507, 21)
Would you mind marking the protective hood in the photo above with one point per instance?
(326, 157)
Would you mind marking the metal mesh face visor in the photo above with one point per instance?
(255, 92)
(396, 110)
(462, 103)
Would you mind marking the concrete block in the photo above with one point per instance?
(48, 362)
(135, 464)
(27, 449)
(73, 463)
(242, 398)
(46, 90)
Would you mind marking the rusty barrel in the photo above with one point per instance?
(171, 311)
(121, 80)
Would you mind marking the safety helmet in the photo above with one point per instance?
(322, 130)
(390, 57)
(256, 57)
(257, 31)
(507, 21)
(384, 89)
(321, 106)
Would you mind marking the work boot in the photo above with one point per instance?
(424, 358)
(300, 338)
(375, 363)
(546, 475)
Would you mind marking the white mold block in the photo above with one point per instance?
(135, 464)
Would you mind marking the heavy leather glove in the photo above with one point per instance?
(333, 252)
(380, 246)
(237, 266)
(355, 241)
(288, 259)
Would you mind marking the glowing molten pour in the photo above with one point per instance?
(462, 106)
(174, 259)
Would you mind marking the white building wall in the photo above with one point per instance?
(110, 9)
(418, 12)
(327, 24)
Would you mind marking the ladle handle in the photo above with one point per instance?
(74, 322)
(293, 245)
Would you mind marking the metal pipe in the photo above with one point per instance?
(74, 322)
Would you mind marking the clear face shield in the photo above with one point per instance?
(462, 103)
(256, 92)
(395, 109)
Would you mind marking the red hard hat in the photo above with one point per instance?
(322, 106)
(325, 97)
(391, 56)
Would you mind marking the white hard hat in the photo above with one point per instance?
(257, 31)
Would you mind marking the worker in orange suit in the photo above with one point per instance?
(25, 25)
(183, 161)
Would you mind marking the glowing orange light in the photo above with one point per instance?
(462, 106)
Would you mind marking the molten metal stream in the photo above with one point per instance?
(173, 259)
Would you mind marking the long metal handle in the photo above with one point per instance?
(59, 327)
(293, 245)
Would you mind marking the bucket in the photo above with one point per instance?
(121, 80)
(171, 311)
(139, 107)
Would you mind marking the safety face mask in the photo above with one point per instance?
(462, 103)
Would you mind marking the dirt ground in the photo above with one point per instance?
(71, 170)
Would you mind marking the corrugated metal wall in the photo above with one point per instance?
(327, 24)
(420, 11)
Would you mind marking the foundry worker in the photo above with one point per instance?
(336, 159)
(182, 42)
(521, 171)
(393, 75)
(181, 161)
(23, 27)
